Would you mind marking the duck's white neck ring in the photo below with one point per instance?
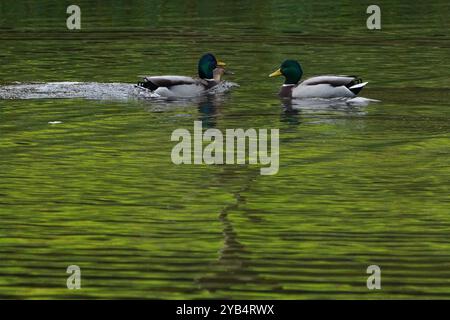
(288, 85)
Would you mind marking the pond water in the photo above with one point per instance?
(90, 182)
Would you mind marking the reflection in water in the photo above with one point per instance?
(208, 113)
(232, 263)
(233, 267)
(209, 109)
(293, 108)
(318, 104)
(289, 114)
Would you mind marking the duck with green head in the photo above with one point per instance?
(210, 72)
(326, 86)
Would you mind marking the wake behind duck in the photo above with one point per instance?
(93, 91)
(209, 82)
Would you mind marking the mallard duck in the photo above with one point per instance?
(327, 86)
(210, 72)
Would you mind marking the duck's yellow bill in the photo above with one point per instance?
(221, 64)
(275, 73)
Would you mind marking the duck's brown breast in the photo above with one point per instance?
(286, 91)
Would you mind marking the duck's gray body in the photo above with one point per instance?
(177, 86)
(328, 86)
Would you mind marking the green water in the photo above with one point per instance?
(357, 186)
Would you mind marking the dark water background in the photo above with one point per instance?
(357, 185)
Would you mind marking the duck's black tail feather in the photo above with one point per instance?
(356, 80)
(147, 85)
(356, 85)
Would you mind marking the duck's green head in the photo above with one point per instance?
(206, 66)
(291, 70)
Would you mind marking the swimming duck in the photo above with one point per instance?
(327, 86)
(210, 72)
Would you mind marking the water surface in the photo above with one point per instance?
(90, 182)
